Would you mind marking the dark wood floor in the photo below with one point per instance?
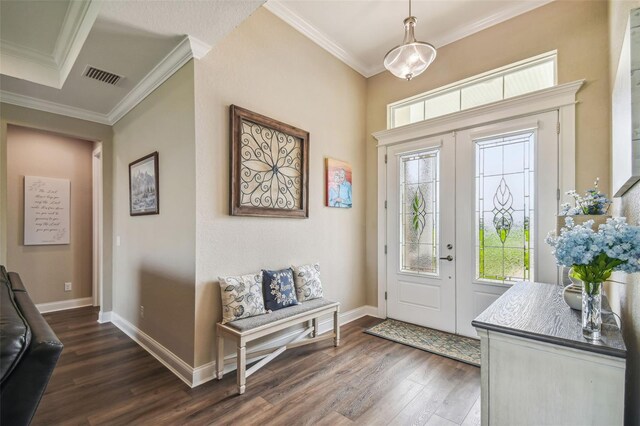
(103, 377)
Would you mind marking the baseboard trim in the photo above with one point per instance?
(104, 317)
(196, 376)
(170, 360)
(63, 305)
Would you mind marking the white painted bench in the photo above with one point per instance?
(248, 329)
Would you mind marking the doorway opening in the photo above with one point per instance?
(54, 229)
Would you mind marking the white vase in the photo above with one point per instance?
(573, 296)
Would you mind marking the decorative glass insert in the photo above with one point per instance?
(505, 207)
(419, 215)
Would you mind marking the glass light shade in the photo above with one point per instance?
(412, 57)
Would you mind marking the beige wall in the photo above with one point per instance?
(73, 128)
(626, 298)
(578, 30)
(44, 269)
(154, 266)
(268, 67)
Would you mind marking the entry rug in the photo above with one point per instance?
(452, 346)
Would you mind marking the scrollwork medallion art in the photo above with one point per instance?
(269, 167)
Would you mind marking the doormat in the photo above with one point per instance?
(452, 346)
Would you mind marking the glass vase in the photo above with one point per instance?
(591, 310)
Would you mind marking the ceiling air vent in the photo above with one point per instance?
(101, 75)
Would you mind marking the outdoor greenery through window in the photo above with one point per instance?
(516, 79)
(505, 206)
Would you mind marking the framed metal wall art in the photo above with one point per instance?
(269, 167)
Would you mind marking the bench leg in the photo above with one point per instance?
(242, 365)
(316, 330)
(220, 356)
(336, 328)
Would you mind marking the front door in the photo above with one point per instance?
(467, 214)
(420, 233)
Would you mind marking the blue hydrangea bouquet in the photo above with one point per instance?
(593, 255)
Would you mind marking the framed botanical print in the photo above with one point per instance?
(269, 167)
(144, 187)
(338, 183)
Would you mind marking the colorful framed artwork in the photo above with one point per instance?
(269, 167)
(144, 186)
(338, 179)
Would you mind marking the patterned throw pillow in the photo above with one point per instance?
(241, 297)
(307, 279)
(278, 289)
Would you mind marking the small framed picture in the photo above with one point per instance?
(338, 183)
(144, 187)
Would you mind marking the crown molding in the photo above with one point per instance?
(287, 15)
(283, 12)
(52, 69)
(199, 47)
(52, 107)
(171, 63)
(28, 54)
(188, 48)
(80, 17)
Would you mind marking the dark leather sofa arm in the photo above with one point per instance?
(22, 391)
(16, 282)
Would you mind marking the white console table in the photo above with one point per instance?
(537, 369)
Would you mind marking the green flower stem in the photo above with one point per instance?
(598, 271)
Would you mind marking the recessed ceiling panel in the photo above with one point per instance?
(33, 25)
(127, 52)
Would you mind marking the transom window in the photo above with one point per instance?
(515, 79)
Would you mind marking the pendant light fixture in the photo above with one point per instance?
(412, 57)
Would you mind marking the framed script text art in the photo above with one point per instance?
(144, 186)
(269, 167)
(46, 210)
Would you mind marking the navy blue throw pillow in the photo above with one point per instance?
(278, 289)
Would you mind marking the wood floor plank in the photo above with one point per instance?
(103, 377)
(436, 420)
(462, 397)
(444, 379)
(394, 401)
(473, 417)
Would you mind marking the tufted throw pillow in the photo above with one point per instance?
(307, 280)
(278, 289)
(241, 297)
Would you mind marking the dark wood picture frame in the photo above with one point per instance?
(156, 210)
(239, 115)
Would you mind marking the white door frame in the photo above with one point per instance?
(561, 97)
(97, 224)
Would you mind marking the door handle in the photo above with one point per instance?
(449, 258)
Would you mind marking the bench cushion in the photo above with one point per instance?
(246, 324)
